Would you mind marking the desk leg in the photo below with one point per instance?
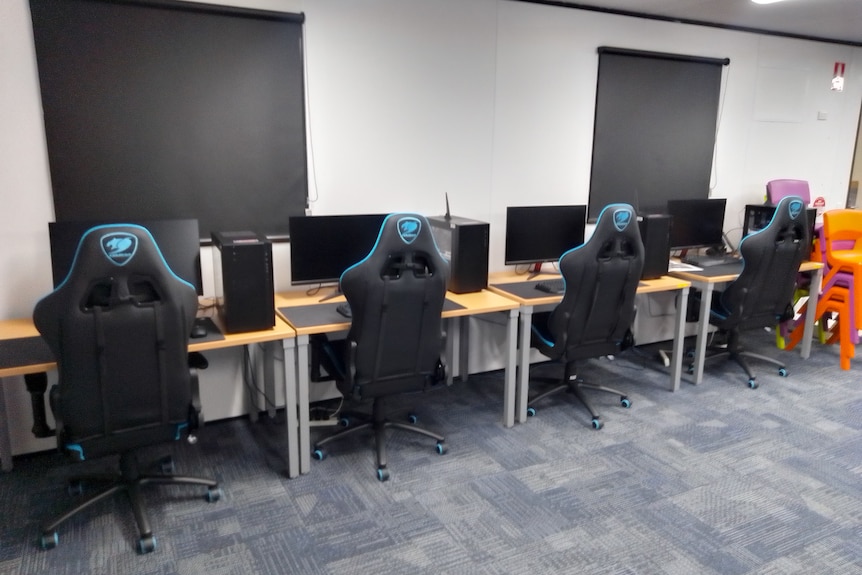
(254, 396)
(464, 349)
(5, 441)
(301, 402)
(702, 331)
(810, 312)
(523, 385)
(450, 349)
(269, 378)
(678, 340)
(290, 394)
(509, 376)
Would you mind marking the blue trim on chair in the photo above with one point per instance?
(180, 427)
(104, 226)
(77, 449)
(542, 336)
(423, 220)
(371, 251)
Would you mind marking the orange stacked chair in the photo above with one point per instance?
(839, 247)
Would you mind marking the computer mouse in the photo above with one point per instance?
(198, 330)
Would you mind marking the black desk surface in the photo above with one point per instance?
(24, 351)
(527, 289)
(300, 316)
(734, 268)
(32, 350)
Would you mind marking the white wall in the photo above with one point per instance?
(488, 100)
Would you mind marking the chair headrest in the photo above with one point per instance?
(118, 250)
(616, 229)
(403, 233)
(617, 218)
(789, 218)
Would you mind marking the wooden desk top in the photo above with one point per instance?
(499, 279)
(23, 328)
(474, 303)
(699, 277)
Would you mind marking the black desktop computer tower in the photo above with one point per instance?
(655, 233)
(242, 266)
(464, 243)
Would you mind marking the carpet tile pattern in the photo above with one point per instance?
(712, 479)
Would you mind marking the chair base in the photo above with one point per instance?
(733, 352)
(575, 386)
(130, 481)
(378, 423)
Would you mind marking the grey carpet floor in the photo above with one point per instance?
(712, 479)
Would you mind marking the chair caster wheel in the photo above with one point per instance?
(413, 418)
(752, 383)
(782, 372)
(625, 402)
(441, 448)
(75, 488)
(213, 494)
(690, 368)
(344, 422)
(382, 474)
(318, 454)
(49, 540)
(146, 544)
(596, 423)
(531, 411)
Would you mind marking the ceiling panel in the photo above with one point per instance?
(831, 20)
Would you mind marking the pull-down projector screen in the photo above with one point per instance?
(654, 131)
(165, 109)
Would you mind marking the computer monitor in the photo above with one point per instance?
(322, 247)
(177, 239)
(696, 223)
(537, 234)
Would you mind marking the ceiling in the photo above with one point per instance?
(830, 20)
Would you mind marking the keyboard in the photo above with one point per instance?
(705, 261)
(551, 286)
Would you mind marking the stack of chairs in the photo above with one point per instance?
(839, 247)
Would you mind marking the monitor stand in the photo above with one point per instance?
(331, 295)
(535, 269)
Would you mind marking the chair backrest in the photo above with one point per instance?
(842, 231)
(601, 279)
(118, 326)
(776, 190)
(771, 259)
(396, 295)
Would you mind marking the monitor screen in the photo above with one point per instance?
(536, 234)
(696, 223)
(178, 241)
(322, 247)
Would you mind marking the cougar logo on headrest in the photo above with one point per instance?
(622, 217)
(795, 208)
(408, 229)
(119, 247)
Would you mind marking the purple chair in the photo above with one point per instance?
(777, 189)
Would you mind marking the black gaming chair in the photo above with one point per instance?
(395, 341)
(118, 326)
(594, 319)
(762, 294)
